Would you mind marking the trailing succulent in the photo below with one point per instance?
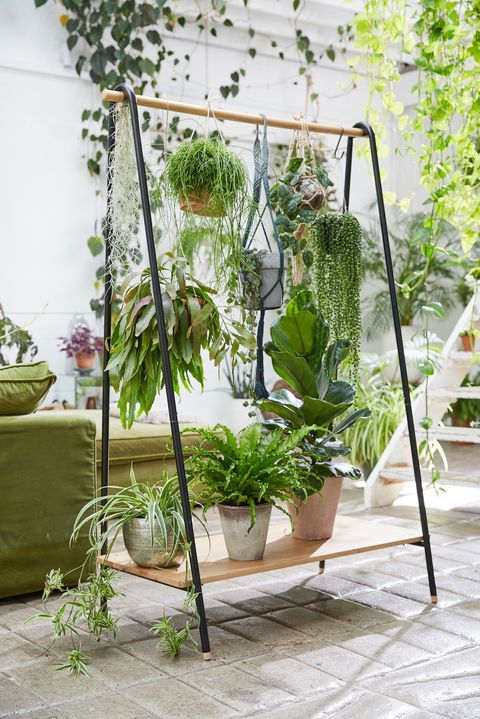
(193, 323)
(297, 198)
(336, 245)
(303, 356)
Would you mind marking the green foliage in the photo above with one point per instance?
(172, 639)
(76, 662)
(336, 277)
(254, 468)
(17, 338)
(409, 238)
(193, 323)
(467, 410)
(302, 355)
(206, 165)
(239, 378)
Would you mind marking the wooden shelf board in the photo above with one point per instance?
(351, 536)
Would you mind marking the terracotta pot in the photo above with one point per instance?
(244, 545)
(457, 422)
(314, 519)
(468, 342)
(199, 203)
(85, 360)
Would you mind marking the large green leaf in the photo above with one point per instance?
(317, 411)
(320, 342)
(340, 392)
(336, 353)
(295, 371)
(302, 301)
(284, 410)
(351, 419)
(294, 333)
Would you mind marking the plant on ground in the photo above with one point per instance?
(16, 338)
(193, 323)
(303, 356)
(257, 467)
(172, 639)
(336, 245)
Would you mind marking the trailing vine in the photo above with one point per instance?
(336, 277)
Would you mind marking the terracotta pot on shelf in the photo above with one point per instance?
(314, 519)
(468, 342)
(200, 203)
(85, 360)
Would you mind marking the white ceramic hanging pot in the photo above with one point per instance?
(271, 269)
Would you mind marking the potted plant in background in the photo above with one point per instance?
(16, 338)
(468, 339)
(465, 412)
(303, 357)
(244, 477)
(83, 345)
(206, 177)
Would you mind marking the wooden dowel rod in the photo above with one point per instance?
(187, 109)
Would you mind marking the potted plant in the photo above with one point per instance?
(303, 357)
(244, 477)
(262, 276)
(465, 411)
(206, 177)
(193, 323)
(150, 518)
(82, 344)
(468, 338)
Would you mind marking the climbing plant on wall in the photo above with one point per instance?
(131, 41)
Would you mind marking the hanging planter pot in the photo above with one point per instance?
(314, 195)
(263, 283)
(206, 177)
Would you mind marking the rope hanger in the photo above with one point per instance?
(246, 118)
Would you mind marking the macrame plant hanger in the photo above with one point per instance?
(123, 93)
(260, 179)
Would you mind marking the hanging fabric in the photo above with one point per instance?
(269, 264)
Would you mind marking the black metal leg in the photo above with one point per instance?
(162, 333)
(398, 336)
(321, 566)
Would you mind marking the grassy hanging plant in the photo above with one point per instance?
(206, 176)
(336, 245)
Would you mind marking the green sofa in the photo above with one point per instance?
(47, 473)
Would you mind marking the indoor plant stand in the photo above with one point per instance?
(351, 536)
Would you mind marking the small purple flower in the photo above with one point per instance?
(82, 339)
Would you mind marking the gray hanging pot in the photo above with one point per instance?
(263, 288)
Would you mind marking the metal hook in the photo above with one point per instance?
(335, 156)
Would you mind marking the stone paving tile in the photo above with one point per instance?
(459, 585)
(337, 661)
(376, 705)
(15, 698)
(419, 591)
(456, 623)
(316, 707)
(288, 673)
(118, 669)
(471, 572)
(471, 545)
(111, 704)
(420, 635)
(336, 586)
(441, 564)
(459, 708)
(469, 609)
(388, 602)
(251, 601)
(366, 575)
(266, 631)
(313, 623)
(48, 713)
(16, 651)
(402, 570)
(172, 699)
(294, 593)
(354, 614)
(468, 559)
(237, 689)
(385, 650)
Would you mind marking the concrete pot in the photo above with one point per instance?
(314, 519)
(244, 545)
(270, 267)
(136, 535)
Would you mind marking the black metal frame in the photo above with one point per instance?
(171, 402)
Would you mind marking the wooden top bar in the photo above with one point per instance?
(187, 109)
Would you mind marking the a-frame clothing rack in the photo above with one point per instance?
(350, 536)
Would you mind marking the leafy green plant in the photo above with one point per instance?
(172, 639)
(239, 378)
(193, 323)
(407, 238)
(464, 409)
(336, 246)
(303, 357)
(256, 467)
(18, 339)
(204, 171)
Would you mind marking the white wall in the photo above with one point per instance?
(49, 204)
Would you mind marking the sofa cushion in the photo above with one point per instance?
(23, 387)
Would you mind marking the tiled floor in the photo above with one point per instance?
(359, 641)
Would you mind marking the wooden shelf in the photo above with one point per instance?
(351, 536)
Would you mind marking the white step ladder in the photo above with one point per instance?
(394, 467)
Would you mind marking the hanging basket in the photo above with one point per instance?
(314, 195)
(269, 278)
(200, 203)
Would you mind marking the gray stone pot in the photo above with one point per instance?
(243, 545)
(270, 263)
(136, 535)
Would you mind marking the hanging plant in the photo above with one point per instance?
(336, 246)
(206, 176)
(193, 323)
